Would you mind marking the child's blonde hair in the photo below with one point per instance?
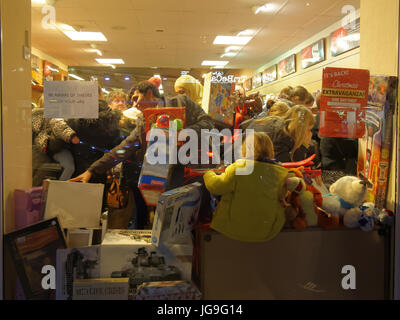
(259, 145)
(278, 109)
(298, 121)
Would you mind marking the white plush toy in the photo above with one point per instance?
(362, 217)
(345, 198)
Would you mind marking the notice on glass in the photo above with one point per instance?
(71, 99)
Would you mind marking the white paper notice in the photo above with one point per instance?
(71, 99)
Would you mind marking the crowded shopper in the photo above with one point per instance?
(190, 86)
(117, 100)
(291, 134)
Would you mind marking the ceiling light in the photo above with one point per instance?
(214, 63)
(110, 61)
(232, 40)
(75, 76)
(233, 48)
(39, 2)
(107, 78)
(85, 36)
(127, 78)
(94, 50)
(65, 27)
(229, 54)
(105, 91)
(268, 7)
(165, 79)
(247, 32)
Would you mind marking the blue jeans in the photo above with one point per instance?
(66, 160)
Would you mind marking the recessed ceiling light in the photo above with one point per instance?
(85, 36)
(214, 63)
(105, 91)
(232, 40)
(268, 7)
(127, 78)
(232, 48)
(229, 54)
(94, 50)
(107, 78)
(110, 61)
(247, 32)
(75, 76)
(39, 2)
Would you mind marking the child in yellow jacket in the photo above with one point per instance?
(251, 206)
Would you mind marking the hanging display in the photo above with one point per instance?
(346, 38)
(287, 66)
(269, 75)
(343, 102)
(313, 54)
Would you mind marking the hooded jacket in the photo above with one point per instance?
(250, 208)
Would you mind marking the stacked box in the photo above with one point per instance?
(176, 214)
(168, 290)
(375, 147)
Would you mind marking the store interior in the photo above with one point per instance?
(279, 44)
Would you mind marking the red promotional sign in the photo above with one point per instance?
(343, 102)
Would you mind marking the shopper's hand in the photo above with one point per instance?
(84, 177)
(75, 140)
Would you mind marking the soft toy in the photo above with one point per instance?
(345, 198)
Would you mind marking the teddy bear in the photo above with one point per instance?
(344, 200)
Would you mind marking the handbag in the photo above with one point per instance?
(117, 195)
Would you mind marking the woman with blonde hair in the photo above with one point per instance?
(291, 134)
(278, 109)
(191, 87)
(259, 192)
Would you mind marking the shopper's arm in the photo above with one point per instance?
(220, 184)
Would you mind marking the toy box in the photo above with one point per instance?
(129, 253)
(78, 205)
(176, 214)
(219, 107)
(168, 290)
(27, 204)
(101, 289)
(375, 147)
(151, 115)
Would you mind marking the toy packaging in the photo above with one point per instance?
(343, 102)
(375, 145)
(168, 290)
(27, 204)
(151, 115)
(78, 205)
(101, 289)
(219, 108)
(131, 255)
(176, 214)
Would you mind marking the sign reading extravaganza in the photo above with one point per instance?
(343, 102)
(219, 77)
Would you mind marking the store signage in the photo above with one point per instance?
(219, 77)
(287, 66)
(313, 54)
(71, 99)
(343, 102)
(346, 38)
(270, 75)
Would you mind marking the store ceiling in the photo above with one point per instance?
(190, 28)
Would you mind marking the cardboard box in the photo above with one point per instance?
(27, 206)
(76, 263)
(167, 290)
(101, 289)
(176, 214)
(375, 147)
(129, 253)
(78, 205)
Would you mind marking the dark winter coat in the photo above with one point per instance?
(97, 136)
(283, 144)
(134, 146)
(339, 154)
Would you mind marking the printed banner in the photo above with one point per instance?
(343, 102)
